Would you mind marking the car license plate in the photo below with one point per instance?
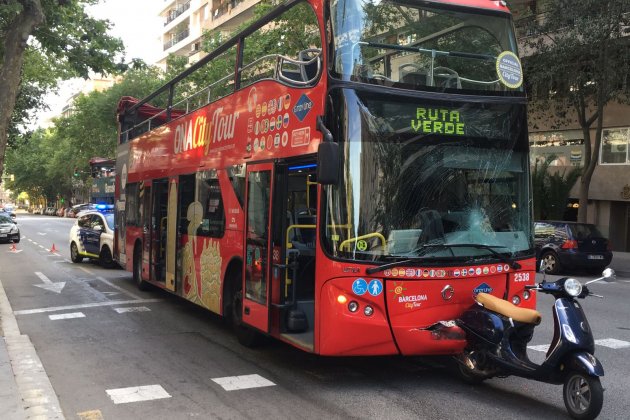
(595, 257)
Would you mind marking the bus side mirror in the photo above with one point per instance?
(328, 163)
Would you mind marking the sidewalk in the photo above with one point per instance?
(25, 389)
(621, 263)
(10, 402)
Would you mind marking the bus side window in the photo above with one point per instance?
(209, 195)
(132, 208)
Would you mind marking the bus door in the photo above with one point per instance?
(144, 194)
(256, 268)
(159, 228)
(294, 238)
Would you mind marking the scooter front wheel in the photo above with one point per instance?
(583, 395)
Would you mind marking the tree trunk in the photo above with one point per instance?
(17, 35)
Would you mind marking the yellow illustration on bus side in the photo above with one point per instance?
(205, 289)
(211, 276)
(189, 273)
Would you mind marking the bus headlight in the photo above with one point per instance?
(573, 287)
(368, 310)
(353, 306)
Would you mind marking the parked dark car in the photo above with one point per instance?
(571, 245)
(9, 230)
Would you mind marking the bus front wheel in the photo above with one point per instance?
(137, 270)
(244, 334)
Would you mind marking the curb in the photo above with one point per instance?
(31, 393)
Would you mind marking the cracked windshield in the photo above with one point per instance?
(408, 189)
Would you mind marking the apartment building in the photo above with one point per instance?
(609, 194)
(186, 20)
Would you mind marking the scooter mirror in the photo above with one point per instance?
(609, 275)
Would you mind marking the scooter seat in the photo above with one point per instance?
(508, 309)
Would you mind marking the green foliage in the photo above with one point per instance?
(68, 44)
(581, 59)
(551, 189)
(31, 168)
(46, 161)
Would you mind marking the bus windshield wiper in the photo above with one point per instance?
(500, 256)
(398, 263)
(515, 265)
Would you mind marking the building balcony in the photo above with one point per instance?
(176, 12)
(178, 37)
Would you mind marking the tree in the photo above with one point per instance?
(44, 161)
(45, 38)
(551, 190)
(577, 62)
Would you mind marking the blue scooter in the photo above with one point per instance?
(498, 332)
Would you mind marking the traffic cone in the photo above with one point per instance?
(53, 249)
(13, 248)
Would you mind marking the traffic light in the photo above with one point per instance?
(76, 171)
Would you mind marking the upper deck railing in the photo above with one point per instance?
(300, 72)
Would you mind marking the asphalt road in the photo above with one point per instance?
(97, 335)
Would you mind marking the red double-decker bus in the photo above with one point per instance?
(342, 175)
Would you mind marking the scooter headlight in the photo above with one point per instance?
(573, 287)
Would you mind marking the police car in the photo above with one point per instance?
(92, 236)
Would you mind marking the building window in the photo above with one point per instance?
(615, 146)
(566, 146)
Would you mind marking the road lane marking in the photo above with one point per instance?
(613, 343)
(233, 383)
(48, 284)
(137, 394)
(120, 289)
(132, 309)
(83, 306)
(542, 347)
(66, 316)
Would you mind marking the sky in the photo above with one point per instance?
(136, 22)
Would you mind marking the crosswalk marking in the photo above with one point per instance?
(233, 383)
(132, 309)
(66, 316)
(612, 343)
(137, 394)
(542, 347)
